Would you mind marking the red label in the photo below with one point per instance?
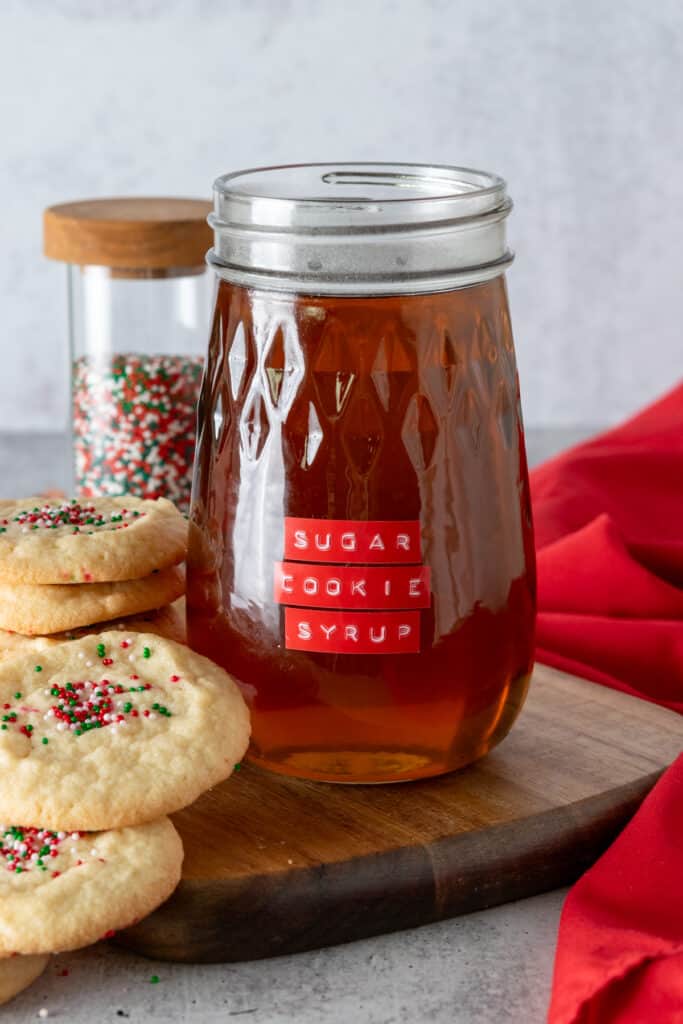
(331, 586)
(333, 568)
(350, 632)
(347, 541)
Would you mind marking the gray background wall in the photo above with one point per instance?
(578, 104)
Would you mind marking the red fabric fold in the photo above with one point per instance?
(620, 952)
(609, 535)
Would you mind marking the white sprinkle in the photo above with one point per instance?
(81, 655)
(94, 853)
(43, 1012)
(61, 727)
(89, 664)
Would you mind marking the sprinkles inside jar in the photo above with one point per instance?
(134, 425)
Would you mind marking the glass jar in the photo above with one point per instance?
(139, 308)
(361, 547)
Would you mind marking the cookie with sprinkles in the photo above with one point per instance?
(99, 540)
(38, 610)
(12, 644)
(18, 972)
(60, 889)
(168, 621)
(114, 729)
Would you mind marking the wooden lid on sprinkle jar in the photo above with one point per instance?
(135, 236)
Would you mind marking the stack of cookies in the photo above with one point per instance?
(63, 568)
(101, 737)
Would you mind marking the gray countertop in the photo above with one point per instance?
(486, 968)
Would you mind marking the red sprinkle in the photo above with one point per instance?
(107, 661)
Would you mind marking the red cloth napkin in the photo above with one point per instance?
(609, 534)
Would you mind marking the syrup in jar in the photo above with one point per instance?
(361, 548)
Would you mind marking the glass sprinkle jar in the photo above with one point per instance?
(138, 302)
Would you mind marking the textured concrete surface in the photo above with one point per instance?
(576, 104)
(488, 968)
(492, 967)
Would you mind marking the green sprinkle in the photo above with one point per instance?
(38, 668)
(154, 980)
(29, 728)
(146, 653)
(101, 650)
(17, 695)
(18, 869)
(127, 706)
(45, 740)
(78, 732)
(3, 726)
(238, 766)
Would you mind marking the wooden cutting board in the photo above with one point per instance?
(274, 865)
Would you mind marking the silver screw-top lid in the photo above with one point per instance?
(359, 228)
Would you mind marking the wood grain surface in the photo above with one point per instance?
(135, 236)
(276, 865)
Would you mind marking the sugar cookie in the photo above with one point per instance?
(39, 610)
(168, 621)
(97, 541)
(63, 890)
(18, 972)
(114, 729)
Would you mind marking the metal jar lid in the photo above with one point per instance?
(359, 228)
